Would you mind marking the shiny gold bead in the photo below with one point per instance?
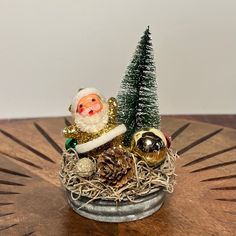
(150, 145)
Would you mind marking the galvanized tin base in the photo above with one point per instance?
(124, 211)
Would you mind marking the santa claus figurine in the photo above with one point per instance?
(95, 122)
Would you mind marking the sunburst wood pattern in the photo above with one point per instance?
(32, 201)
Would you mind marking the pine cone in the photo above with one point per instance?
(115, 166)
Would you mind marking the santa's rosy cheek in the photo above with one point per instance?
(97, 107)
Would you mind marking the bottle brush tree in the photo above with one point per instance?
(137, 98)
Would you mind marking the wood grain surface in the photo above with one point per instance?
(32, 201)
(223, 120)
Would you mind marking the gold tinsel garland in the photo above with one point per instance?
(145, 180)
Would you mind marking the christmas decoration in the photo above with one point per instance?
(137, 99)
(115, 166)
(85, 167)
(150, 145)
(95, 121)
(70, 143)
(133, 197)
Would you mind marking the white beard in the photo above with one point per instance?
(94, 123)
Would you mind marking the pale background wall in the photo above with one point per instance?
(50, 48)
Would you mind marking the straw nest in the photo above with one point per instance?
(144, 180)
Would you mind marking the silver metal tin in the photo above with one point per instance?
(124, 211)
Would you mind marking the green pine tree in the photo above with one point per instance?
(137, 99)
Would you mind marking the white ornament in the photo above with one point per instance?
(85, 167)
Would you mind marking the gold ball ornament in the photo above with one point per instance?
(150, 145)
(85, 167)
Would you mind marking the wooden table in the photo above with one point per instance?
(32, 201)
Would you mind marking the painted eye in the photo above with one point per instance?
(81, 105)
(93, 100)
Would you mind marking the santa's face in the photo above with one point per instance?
(91, 114)
(89, 105)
